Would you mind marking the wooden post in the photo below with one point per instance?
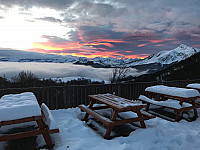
(109, 129)
(46, 135)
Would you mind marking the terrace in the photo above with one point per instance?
(75, 134)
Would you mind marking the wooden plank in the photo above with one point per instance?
(146, 114)
(53, 131)
(48, 97)
(21, 135)
(96, 115)
(65, 98)
(22, 120)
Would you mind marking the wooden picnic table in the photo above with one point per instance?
(23, 108)
(195, 86)
(183, 95)
(118, 105)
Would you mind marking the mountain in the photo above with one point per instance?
(152, 63)
(164, 59)
(187, 69)
(25, 56)
(171, 56)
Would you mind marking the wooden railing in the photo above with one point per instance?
(73, 95)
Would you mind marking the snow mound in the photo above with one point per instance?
(173, 91)
(168, 103)
(194, 85)
(17, 106)
(49, 118)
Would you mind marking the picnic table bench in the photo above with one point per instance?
(118, 105)
(165, 96)
(23, 108)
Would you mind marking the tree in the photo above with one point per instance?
(25, 79)
(118, 74)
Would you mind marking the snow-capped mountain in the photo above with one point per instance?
(162, 58)
(171, 56)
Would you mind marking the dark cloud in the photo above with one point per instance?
(54, 4)
(193, 35)
(135, 37)
(50, 19)
(91, 33)
(100, 9)
(54, 39)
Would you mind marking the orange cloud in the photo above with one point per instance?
(175, 42)
(160, 41)
(52, 46)
(128, 51)
(141, 45)
(89, 49)
(110, 40)
(96, 44)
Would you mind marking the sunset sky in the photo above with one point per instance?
(99, 28)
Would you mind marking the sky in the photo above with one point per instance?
(99, 28)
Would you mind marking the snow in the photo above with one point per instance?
(17, 106)
(75, 134)
(123, 103)
(49, 120)
(194, 85)
(170, 102)
(173, 91)
(170, 56)
(159, 134)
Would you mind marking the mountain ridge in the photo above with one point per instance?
(162, 58)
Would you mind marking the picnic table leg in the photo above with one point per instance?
(177, 116)
(109, 129)
(45, 134)
(195, 109)
(140, 116)
(86, 115)
(147, 108)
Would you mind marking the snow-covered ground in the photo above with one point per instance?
(159, 134)
(77, 135)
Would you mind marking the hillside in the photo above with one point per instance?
(185, 69)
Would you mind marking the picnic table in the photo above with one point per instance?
(117, 104)
(23, 108)
(159, 93)
(194, 86)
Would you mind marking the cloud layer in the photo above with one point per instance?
(113, 28)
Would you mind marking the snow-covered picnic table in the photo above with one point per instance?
(180, 93)
(21, 108)
(17, 106)
(117, 104)
(167, 97)
(194, 86)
